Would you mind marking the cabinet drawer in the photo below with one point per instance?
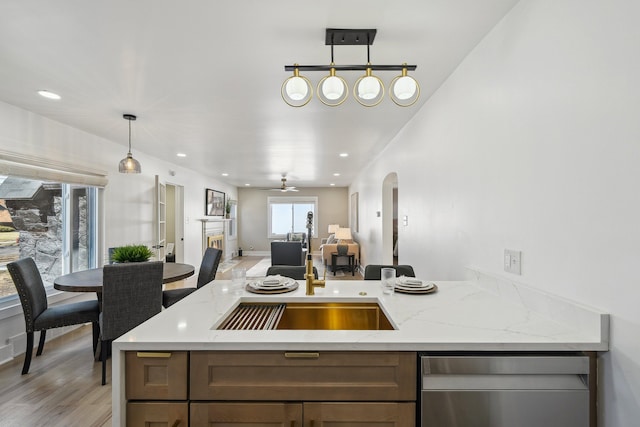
(170, 414)
(246, 414)
(156, 375)
(283, 376)
(379, 414)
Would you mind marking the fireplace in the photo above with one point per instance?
(216, 241)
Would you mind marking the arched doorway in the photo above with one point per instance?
(390, 219)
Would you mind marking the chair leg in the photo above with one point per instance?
(103, 355)
(43, 336)
(28, 353)
(95, 326)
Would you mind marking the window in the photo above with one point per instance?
(54, 223)
(289, 214)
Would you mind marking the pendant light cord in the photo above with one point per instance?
(129, 136)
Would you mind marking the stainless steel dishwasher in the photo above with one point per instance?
(505, 391)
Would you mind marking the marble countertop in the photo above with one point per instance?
(475, 315)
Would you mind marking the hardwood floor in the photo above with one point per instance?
(63, 385)
(249, 261)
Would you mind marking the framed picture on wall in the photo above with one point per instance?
(354, 212)
(214, 203)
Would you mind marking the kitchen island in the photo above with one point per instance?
(486, 314)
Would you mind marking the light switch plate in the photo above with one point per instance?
(513, 261)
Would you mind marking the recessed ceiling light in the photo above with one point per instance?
(332, 184)
(247, 185)
(225, 174)
(181, 155)
(49, 95)
(344, 154)
(336, 174)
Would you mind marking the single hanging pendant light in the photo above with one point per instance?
(129, 164)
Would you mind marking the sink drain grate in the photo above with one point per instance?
(254, 317)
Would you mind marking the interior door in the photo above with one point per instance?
(160, 237)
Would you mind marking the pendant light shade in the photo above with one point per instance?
(332, 89)
(369, 89)
(404, 90)
(296, 90)
(129, 164)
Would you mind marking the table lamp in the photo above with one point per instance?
(344, 236)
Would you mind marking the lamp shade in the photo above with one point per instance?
(332, 90)
(404, 90)
(333, 228)
(343, 234)
(368, 89)
(296, 90)
(129, 165)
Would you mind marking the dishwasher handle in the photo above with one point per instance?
(505, 365)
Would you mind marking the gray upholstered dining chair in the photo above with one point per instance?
(38, 316)
(208, 269)
(131, 294)
(287, 253)
(372, 271)
(296, 272)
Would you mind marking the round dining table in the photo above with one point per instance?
(91, 280)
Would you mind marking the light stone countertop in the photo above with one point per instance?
(460, 316)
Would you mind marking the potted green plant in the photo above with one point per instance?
(132, 253)
(227, 209)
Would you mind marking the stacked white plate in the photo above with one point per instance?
(411, 285)
(272, 284)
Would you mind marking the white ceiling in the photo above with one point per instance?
(204, 76)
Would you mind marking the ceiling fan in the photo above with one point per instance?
(284, 188)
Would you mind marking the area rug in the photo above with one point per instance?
(225, 266)
(260, 269)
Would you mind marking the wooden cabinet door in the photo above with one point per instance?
(246, 414)
(157, 414)
(359, 414)
(156, 375)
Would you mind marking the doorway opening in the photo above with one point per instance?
(390, 219)
(174, 233)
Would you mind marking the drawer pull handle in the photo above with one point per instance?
(147, 354)
(302, 355)
(176, 423)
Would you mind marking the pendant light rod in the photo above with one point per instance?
(350, 67)
(129, 117)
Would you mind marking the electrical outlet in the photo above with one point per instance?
(513, 261)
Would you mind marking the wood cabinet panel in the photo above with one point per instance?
(359, 414)
(246, 414)
(281, 376)
(156, 375)
(157, 414)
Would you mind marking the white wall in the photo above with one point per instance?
(533, 144)
(128, 199)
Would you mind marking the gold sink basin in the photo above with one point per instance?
(334, 315)
(308, 316)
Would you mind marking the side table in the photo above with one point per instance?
(350, 267)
